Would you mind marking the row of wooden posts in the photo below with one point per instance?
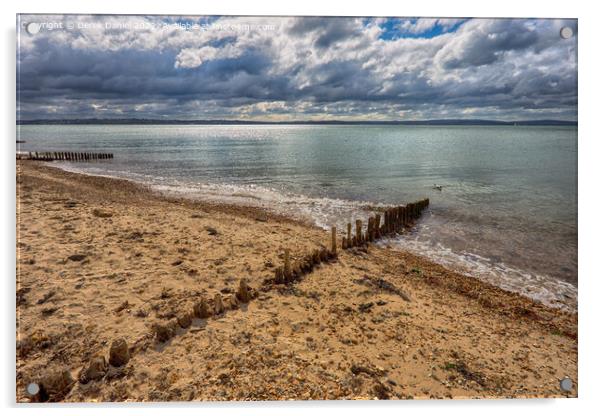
(75, 156)
(395, 220)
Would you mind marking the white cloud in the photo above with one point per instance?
(194, 57)
(297, 65)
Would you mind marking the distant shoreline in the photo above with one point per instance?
(442, 122)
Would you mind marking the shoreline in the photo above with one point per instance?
(149, 249)
(550, 290)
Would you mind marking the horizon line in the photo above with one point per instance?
(334, 121)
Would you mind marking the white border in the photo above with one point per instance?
(589, 188)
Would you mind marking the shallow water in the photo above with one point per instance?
(506, 213)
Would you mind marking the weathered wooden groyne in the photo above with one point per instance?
(73, 156)
(394, 221)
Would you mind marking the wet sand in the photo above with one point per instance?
(101, 259)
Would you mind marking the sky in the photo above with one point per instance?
(294, 68)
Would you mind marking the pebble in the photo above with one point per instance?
(101, 214)
(77, 257)
(211, 231)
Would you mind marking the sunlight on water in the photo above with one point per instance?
(505, 212)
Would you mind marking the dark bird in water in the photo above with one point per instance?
(437, 187)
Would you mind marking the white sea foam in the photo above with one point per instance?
(546, 289)
(323, 212)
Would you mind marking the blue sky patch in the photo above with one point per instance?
(393, 29)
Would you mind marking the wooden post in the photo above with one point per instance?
(401, 210)
(374, 229)
(334, 241)
(358, 232)
(386, 224)
(377, 226)
(287, 264)
(349, 240)
(344, 243)
(403, 217)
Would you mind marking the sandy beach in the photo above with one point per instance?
(100, 259)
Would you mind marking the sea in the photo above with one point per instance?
(503, 199)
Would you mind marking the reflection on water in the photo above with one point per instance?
(505, 211)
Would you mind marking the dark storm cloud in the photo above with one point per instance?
(286, 68)
(326, 30)
(487, 44)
